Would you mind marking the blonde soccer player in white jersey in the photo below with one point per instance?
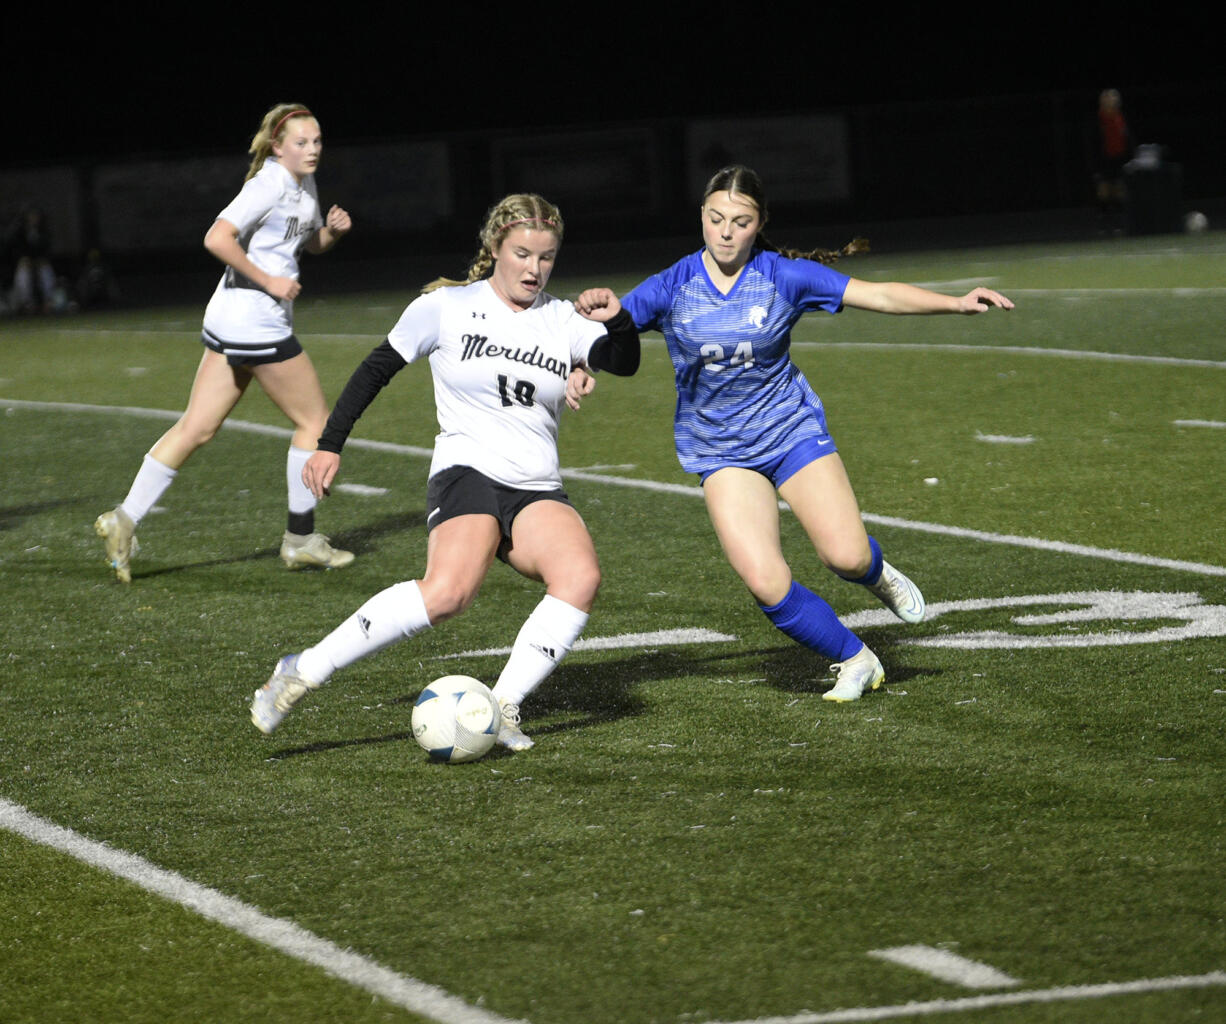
(249, 335)
(500, 350)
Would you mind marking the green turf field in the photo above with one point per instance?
(1032, 811)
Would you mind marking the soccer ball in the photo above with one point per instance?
(1196, 222)
(456, 719)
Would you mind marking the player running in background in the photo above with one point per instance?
(500, 350)
(249, 335)
(748, 423)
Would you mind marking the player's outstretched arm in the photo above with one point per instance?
(895, 297)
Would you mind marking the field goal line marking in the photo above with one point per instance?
(689, 490)
(284, 936)
(1048, 995)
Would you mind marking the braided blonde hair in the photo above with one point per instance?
(272, 130)
(739, 180)
(521, 209)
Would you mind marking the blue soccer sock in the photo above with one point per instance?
(874, 568)
(809, 620)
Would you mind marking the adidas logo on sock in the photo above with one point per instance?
(364, 626)
(547, 651)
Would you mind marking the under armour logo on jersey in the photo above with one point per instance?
(756, 315)
(364, 626)
(547, 651)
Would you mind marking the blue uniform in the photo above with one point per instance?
(740, 399)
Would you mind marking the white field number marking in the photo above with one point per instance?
(946, 966)
(1196, 619)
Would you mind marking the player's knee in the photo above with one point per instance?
(768, 582)
(446, 598)
(849, 559)
(586, 585)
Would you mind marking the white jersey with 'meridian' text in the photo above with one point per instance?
(499, 378)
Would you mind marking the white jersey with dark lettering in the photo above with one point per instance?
(499, 378)
(275, 215)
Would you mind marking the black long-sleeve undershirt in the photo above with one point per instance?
(618, 352)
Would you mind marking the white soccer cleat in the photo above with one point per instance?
(856, 676)
(119, 532)
(312, 550)
(510, 735)
(899, 594)
(284, 689)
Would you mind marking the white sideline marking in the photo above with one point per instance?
(1213, 424)
(1021, 350)
(284, 936)
(363, 489)
(689, 490)
(946, 966)
(1003, 438)
(663, 638)
(1047, 995)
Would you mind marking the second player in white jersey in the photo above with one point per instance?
(274, 215)
(500, 350)
(248, 335)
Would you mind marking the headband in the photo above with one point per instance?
(292, 113)
(531, 220)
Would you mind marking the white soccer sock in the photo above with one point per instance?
(544, 640)
(392, 614)
(150, 484)
(300, 497)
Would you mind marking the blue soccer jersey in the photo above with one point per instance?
(740, 399)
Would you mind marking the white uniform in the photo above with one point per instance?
(499, 378)
(275, 215)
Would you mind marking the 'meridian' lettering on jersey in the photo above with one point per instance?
(478, 346)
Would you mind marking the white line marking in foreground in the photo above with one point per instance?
(285, 936)
(1049, 995)
(947, 966)
(1212, 424)
(689, 490)
(663, 638)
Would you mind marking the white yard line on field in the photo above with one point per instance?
(1021, 350)
(1017, 350)
(431, 1002)
(688, 490)
(660, 638)
(434, 1003)
(1066, 993)
(1211, 424)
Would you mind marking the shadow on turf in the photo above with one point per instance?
(795, 669)
(586, 694)
(10, 517)
(362, 541)
(602, 692)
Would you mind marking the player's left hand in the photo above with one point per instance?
(980, 300)
(338, 221)
(599, 304)
(578, 384)
(319, 472)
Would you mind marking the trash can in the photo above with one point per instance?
(1153, 193)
